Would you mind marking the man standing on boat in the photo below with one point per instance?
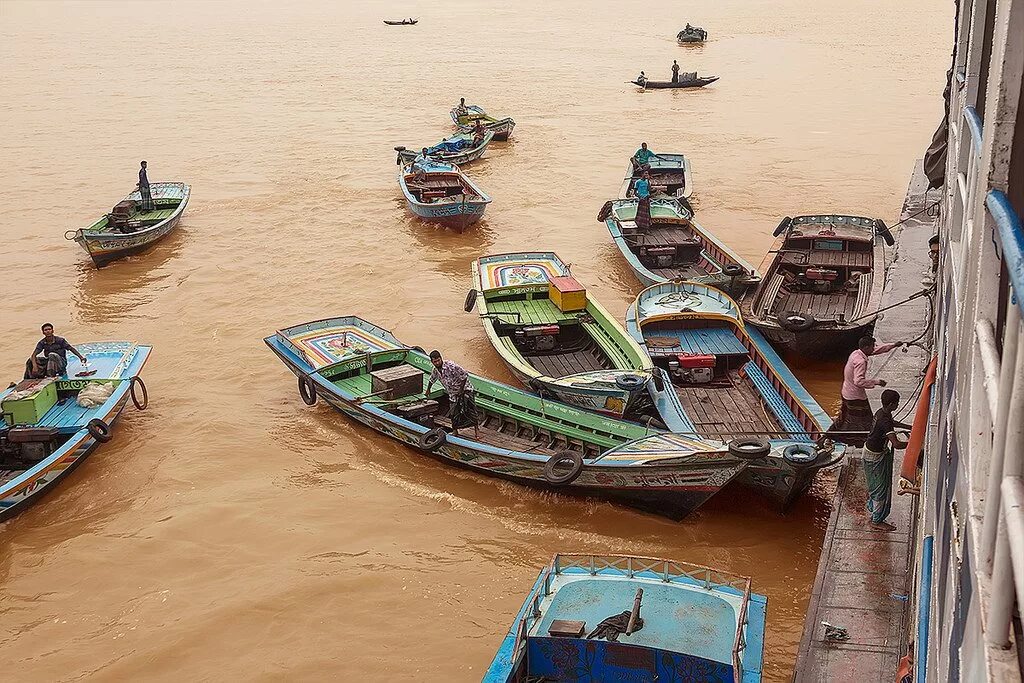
(147, 198)
(855, 414)
(455, 381)
(642, 190)
(675, 71)
(50, 357)
(878, 457)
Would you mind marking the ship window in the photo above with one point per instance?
(828, 245)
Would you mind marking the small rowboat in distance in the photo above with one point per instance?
(688, 80)
(823, 284)
(669, 172)
(554, 337)
(502, 128)
(403, 22)
(128, 229)
(675, 246)
(691, 34)
(458, 149)
(732, 386)
(440, 193)
(366, 373)
(49, 426)
(623, 618)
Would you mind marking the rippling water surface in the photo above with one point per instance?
(230, 532)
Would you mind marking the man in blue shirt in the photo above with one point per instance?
(50, 358)
(642, 190)
(642, 158)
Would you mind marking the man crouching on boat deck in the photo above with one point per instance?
(855, 413)
(456, 384)
(50, 358)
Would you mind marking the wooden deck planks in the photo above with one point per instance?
(721, 411)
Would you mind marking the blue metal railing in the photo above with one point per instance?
(1010, 236)
(974, 124)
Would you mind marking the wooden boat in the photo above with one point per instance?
(822, 285)
(502, 128)
(351, 363)
(691, 34)
(688, 80)
(403, 22)
(675, 247)
(440, 193)
(127, 229)
(671, 172)
(625, 618)
(45, 433)
(732, 386)
(554, 337)
(458, 150)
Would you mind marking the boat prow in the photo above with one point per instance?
(501, 128)
(439, 192)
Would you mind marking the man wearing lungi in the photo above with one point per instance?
(455, 380)
(878, 457)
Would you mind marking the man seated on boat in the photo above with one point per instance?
(479, 131)
(462, 109)
(641, 159)
(642, 78)
(455, 381)
(50, 357)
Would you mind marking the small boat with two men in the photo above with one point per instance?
(465, 117)
(366, 373)
(670, 174)
(822, 285)
(591, 618)
(135, 223)
(438, 192)
(730, 385)
(687, 79)
(662, 242)
(458, 149)
(691, 34)
(51, 424)
(402, 22)
(557, 339)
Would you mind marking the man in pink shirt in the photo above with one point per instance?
(855, 414)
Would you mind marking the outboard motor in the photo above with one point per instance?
(537, 338)
(821, 280)
(693, 368)
(25, 446)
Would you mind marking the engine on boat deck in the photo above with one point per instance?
(532, 338)
(693, 368)
(22, 446)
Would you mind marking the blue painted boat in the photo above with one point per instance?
(670, 172)
(675, 247)
(595, 618)
(520, 437)
(458, 149)
(731, 385)
(46, 433)
(439, 192)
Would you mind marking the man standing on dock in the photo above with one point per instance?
(855, 413)
(455, 381)
(878, 457)
(147, 197)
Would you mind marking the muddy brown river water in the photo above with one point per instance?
(230, 532)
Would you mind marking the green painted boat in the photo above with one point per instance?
(520, 437)
(556, 338)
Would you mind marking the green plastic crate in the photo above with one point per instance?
(30, 410)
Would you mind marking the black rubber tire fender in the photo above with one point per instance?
(659, 380)
(630, 382)
(882, 230)
(750, 447)
(733, 270)
(557, 478)
(783, 226)
(144, 403)
(433, 439)
(800, 455)
(795, 321)
(470, 300)
(307, 389)
(605, 212)
(99, 430)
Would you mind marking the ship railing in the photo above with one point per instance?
(531, 614)
(668, 571)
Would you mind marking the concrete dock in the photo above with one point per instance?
(864, 576)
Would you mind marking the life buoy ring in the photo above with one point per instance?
(470, 300)
(433, 439)
(630, 382)
(783, 226)
(144, 403)
(605, 212)
(733, 270)
(800, 454)
(73, 234)
(554, 468)
(307, 389)
(750, 448)
(99, 430)
(794, 321)
(882, 230)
